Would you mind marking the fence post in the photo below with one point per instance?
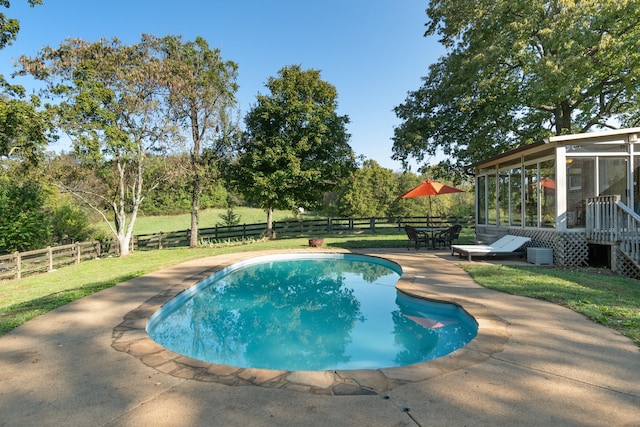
(77, 253)
(18, 264)
(160, 240)
(372, 224)
(50, 258)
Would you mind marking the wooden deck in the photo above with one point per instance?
(611, 222)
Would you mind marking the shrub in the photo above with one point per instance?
(25, 223)
(70, 224)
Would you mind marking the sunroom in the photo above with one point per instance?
(576, 194)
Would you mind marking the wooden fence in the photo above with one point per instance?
(21, 264)
(290, 228)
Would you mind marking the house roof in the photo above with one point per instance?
(632, 132)
(593, 135)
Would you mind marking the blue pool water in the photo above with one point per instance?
(309, 312)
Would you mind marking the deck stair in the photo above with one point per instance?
(611, 222)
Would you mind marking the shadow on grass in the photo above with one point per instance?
(17, 314)
(599, 294)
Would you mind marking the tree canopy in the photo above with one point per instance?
(296, 145)
(24, 130)
(9, 27)
(371, 191)
(109, 100)
(24, 221)
(201, 92)
(520, 70)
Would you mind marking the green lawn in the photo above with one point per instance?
(599, 294)
(605, 298)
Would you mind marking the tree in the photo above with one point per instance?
(173, 194)
(69, 223)
(296, 145)
(201, 90)
(111, 105)
(519, 71)
(24, 219)
(24, 131)
(9, 27)
(370, 192)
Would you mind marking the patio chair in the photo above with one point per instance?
(447, 237)
(508, 245)
(416, 237)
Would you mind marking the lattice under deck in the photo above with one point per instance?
(569, 249)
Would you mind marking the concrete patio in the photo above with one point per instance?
(532, 363)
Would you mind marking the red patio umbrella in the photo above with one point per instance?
(430, 188)
(548, 183)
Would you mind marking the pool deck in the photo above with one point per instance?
(532, 363)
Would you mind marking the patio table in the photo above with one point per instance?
(432, 231)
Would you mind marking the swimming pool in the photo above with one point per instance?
(309, 312)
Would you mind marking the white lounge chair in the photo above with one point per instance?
(506, 245)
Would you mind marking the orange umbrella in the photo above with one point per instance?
(548, 183)
(430, 188)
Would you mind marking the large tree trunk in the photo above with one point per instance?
(563, 118)
(271, 233)
(195, 170)
(195, 208)
(121, 216)
(124, 231)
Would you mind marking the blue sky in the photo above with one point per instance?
(372, 51)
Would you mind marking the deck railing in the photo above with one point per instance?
(601, 219)
(610, 221)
